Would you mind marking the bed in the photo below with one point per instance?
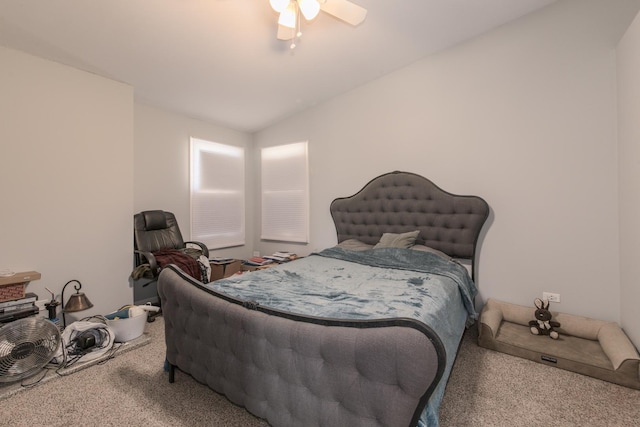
(361, 334)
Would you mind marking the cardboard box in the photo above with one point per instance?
(13, 287)
(26, 276)
(222, 270)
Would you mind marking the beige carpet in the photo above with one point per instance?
(486, 389)
(56, 372)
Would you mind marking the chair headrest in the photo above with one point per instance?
(154, 220)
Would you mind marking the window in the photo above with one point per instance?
(285, 193)
(217, 194)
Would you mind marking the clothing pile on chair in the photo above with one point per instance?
(190, 260)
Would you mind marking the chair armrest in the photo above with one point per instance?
(203, 247)
(153, 264)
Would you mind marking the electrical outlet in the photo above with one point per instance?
(551, 297)
(256, 253)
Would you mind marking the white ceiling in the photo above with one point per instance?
(219, 60)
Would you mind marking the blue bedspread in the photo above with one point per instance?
(371, 284)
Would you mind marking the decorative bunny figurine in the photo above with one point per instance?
(543, 325)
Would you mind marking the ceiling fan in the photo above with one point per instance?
(290, 10)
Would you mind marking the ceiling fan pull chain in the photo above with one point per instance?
(298, 32)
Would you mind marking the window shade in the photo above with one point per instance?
(217, 194)
(285, 193)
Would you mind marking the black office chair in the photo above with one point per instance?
(156, 232)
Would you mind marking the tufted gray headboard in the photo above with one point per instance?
(398, 202)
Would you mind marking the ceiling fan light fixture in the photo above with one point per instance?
(288, 16)
(289, 21)
(279, 5)
(309, 8)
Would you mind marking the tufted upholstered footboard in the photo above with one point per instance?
(300, 371)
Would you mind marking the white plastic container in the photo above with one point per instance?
(129, 328)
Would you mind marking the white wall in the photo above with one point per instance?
(629, 146)
(161, 166)
(66, 180)
(524, 116)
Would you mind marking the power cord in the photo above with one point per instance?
(86, 340)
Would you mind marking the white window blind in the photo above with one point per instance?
(285, 193)
(217, 194)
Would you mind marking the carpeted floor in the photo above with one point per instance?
(486, 388)
(46, 375)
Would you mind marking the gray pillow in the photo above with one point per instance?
(354, 245)
(393, 240)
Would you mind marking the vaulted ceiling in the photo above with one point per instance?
(219, 60)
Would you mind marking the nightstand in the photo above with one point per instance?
(220, 270)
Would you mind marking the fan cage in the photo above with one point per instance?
(26, 346)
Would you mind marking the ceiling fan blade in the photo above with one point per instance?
(286, 33)
(345, 10)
